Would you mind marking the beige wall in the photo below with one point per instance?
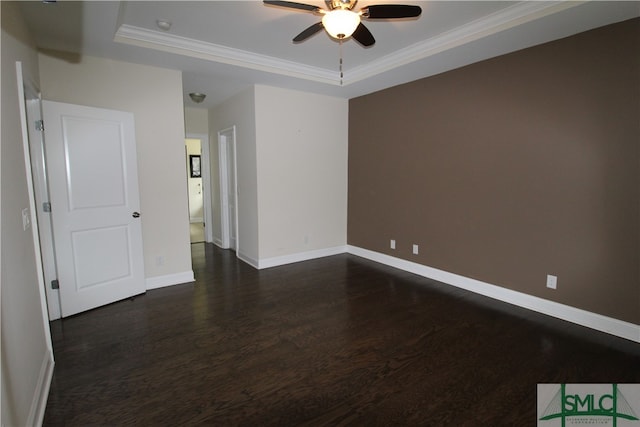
(196, 121)
(24, 348)
(291, 171)
(511, 169)
(302, 171)
(154, 96)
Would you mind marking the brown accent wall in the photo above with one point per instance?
(511, 169)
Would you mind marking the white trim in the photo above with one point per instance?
(252, 262)
(143, 37)
(300, 256)
(196, 220)
(581, 317)
(45, 225)
(41, 394)
(227, 139)
(223, 165)
(218, 242)
(35, 232)
(169, 280)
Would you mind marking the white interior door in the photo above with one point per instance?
(231, 193)
(91, 160)
(228, 188)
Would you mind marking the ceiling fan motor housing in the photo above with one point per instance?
(342, 4)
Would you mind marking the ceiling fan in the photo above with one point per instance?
(341, 21)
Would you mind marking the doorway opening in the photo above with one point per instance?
(193, 148)
(199, 187)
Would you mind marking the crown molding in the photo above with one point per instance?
(142, 37)
(502, 20)
(499, 21)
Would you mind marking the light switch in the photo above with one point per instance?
(26, 219)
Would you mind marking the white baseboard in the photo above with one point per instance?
(581, 317)
(300, 256)
(252, 262)
(241, 256)
(169, 280)
(195, 220)
(41, 393)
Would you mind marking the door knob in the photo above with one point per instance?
(136, 215)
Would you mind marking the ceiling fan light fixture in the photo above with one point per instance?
(341, 23)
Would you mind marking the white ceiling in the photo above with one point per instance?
(223, 47)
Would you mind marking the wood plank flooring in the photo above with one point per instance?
(196, 232)
(334, 341)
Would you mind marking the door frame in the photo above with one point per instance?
(206, 183)
(38, 172)
(28, 90)
(226, 138)
(43, 216)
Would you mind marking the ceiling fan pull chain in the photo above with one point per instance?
(341, 75)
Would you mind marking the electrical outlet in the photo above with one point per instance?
(552, 281)
(393, 244)
(415, 249)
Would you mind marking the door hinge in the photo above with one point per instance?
(46, 206)
(40, 125)
(55, 284)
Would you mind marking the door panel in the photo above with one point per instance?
(94, 148)
(91, 156)
(87, 256)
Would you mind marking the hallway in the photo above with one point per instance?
(196, 232)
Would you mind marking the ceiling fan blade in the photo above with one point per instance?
(308, 32)
(391, 11)
(363, 36)
(292, 5)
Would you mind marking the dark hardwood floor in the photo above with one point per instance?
(333, 341)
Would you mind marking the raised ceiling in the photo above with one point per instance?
(223, 47)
